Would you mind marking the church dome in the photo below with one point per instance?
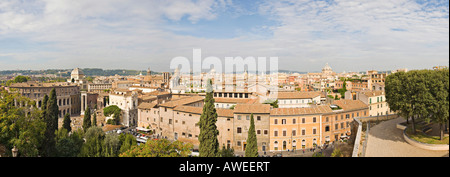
(327, 68)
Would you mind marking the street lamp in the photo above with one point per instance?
(14, 151)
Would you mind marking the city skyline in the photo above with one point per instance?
(304, 35)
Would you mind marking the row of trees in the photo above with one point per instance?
(420, 95)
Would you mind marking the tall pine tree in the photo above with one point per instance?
(51, 119)
(251, 150)
(209, 145)
(87, 119)
(66, 122)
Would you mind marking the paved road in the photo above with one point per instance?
(386, 140)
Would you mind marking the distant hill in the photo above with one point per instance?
(86, 71)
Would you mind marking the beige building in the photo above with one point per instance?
(376, 100)
(68, 95)
(298, 99)
(167, 115)
(127, 101)
(296, 128)
(241, 124)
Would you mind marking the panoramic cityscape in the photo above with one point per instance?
(224, 78)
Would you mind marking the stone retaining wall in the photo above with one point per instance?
(433, 147)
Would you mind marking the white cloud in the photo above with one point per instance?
(122, 34)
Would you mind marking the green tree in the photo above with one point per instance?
(159, 148)
(20, 79)
(228, 152)
(111, 145)
(116, 111)
(94, 119)
(127, 141)
(87, 119)
(67, 122)
(439, 107)
(209, 145)
(68, 145)
(337, 153)
(51, 119)
(20, 126)
(251, 149)
(94, 142)
(30, 134)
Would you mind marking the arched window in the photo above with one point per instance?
(275, 145)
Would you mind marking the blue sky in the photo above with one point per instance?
(303, 34)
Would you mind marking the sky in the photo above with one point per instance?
(304, 34)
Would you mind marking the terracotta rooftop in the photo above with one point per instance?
(182, 101)
(40, 84)
(252, 108)
(373, 93)
(221, 112)
(146, 105)
(297, 95)
(348, 105)
(300, 111)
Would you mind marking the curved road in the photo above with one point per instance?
(386, 140)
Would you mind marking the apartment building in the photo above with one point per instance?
(296, 128)
(337, 124)
(167, 114)
(241, 124)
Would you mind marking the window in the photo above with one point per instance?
(303, 131)
(326, 119)
(347, 116)
(336, 126)
(314, 119)
(266, 132)
(294, 133)
(239, 117)
(303, 120)
(258, 132)
(327, 128)
(342, 125)
(284, 133)
(239, 130)
(275, 133)
(283, 121)
(247, 117)
(275, 121)
(294, 121)
(314, 131)
(275, 145)
(258, 118)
